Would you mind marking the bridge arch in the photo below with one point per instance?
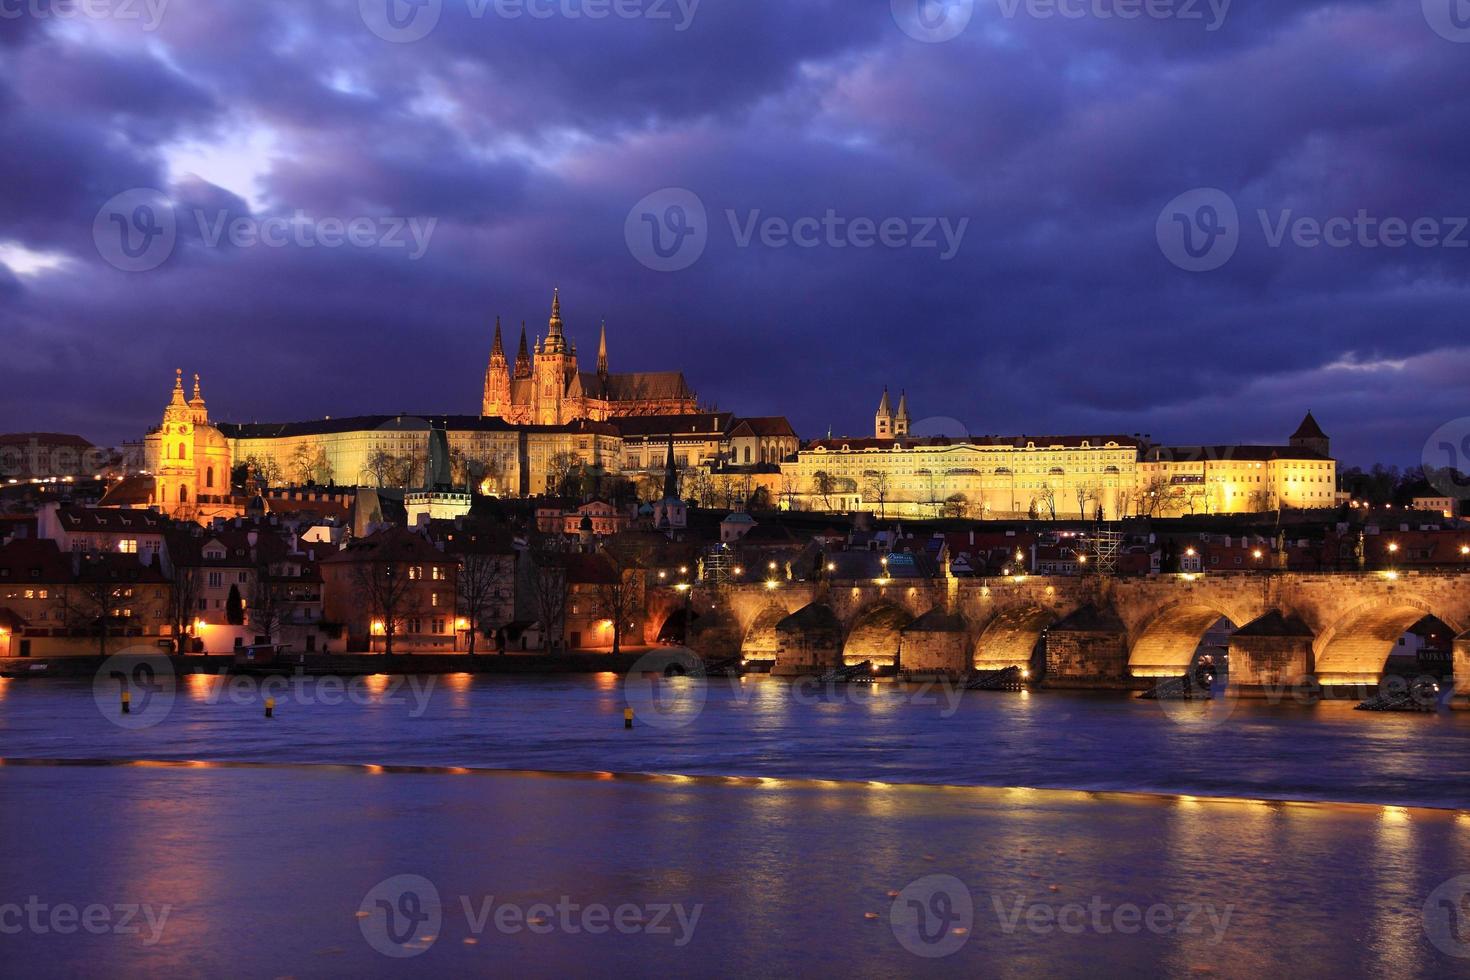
(1355, 648)
(760, 641)
(1010, 638)
(876, 634)
(1166, 643)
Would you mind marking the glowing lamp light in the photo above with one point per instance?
(772, 566)
(832, 565)
(1393, 546)
(1190, 552)
(1391, 576)
(682, 587)
(772, 584)
(1256, 554)
(461, 623)
(199, 625)
(739, 570)
(379, 628)
(1465, 549)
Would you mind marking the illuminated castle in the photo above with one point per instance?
(548, 388)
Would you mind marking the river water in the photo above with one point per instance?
(454, 825)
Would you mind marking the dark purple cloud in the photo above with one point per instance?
(528, 141)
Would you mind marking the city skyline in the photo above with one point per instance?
(1027, 287)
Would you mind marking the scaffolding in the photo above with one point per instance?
(1102, 547)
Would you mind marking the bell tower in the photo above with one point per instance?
(883, 419)
(174, 483)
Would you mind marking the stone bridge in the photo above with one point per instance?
(1336, 628)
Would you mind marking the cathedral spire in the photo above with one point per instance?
(555, 340)
(499, 349)
(602, 353)
(523, 358)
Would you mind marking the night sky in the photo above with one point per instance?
(1056, 143)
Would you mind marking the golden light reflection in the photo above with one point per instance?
(376, 683)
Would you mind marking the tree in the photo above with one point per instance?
(1086, 495)
(183, 602)
(564, 475)
(87, 606)
(877, 488)
(385, 469)
(620, 598)
(824, 485)
(266, 612)
(759, 499)
(1046, 499)
(700, 487)
(383, 585)
(235, 607)
(267, 469)
(480, 579)
(547, 568)
(309, 464)
(956, 505)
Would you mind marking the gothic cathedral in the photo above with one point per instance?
(547, 388)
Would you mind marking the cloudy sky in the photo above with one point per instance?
(1035, 217)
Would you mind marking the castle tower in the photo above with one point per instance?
(901, 422)
(602, 354)
(1309, 435)
(883, 420)
(497, 379)
(174, 481)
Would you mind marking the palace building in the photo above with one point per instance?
(1057, 477)
(547, 387)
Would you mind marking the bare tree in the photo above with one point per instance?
(823, 485)
(620, 598)
(481, 576)
(383, 585)
(309, 464)
(957, 505)
(266, 611)
(88, 605)
(1046, 498)
(564, 475)
(183, 602)
(547, 584)
(385, 469)
(877, 488)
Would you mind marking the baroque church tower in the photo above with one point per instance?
(189, 459)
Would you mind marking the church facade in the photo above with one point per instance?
(189, 459)
(546, 386)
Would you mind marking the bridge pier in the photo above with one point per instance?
(935, 645)
(1461, 699)
(1087, 649)
(809, 641)
(1271, 657)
